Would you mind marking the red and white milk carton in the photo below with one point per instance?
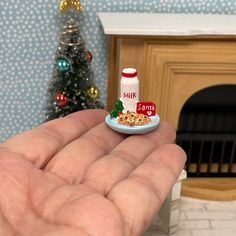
(129, 88)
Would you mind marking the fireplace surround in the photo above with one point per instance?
(177, 58)
(207, 132)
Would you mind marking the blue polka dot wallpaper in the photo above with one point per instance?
(29, 38)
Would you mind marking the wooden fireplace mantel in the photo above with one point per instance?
(176, 55)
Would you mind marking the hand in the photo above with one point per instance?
(75, 176)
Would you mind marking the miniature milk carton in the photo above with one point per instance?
(129, 89)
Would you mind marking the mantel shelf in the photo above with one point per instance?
(155, 24)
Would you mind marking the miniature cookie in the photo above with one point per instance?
(133, 119)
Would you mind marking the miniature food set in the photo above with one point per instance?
(130, 115)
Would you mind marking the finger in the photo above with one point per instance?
(141, 195)
(117, 165)
(41, 143)
(73, 160)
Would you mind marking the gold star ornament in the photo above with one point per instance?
(66, 5)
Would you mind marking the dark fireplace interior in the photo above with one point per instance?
(207, 132)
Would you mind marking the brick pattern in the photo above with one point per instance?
(204, 218)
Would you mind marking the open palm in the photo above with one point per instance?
(75, 176)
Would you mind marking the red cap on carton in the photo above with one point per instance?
(129, 72)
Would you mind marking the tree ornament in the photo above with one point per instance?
(66, 5)
(61, 99)
(93, 92)
(89, 56)
(63, 65)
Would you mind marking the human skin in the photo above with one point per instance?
(74, 176)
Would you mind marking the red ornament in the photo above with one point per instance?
(146, 108)
(61, 99)
(89, 56)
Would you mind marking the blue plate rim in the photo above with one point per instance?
(121, 128)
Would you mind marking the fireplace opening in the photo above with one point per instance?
(207, 132)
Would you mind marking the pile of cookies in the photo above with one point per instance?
(133, 119)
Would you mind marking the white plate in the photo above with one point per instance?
(113, 124)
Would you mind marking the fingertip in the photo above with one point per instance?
(88, 113)
(169, 127)
(176, 151)
(164, 133)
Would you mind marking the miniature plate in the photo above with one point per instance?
(124, 129)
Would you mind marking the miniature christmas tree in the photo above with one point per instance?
(72, 87)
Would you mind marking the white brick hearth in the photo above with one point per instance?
(204, 218)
